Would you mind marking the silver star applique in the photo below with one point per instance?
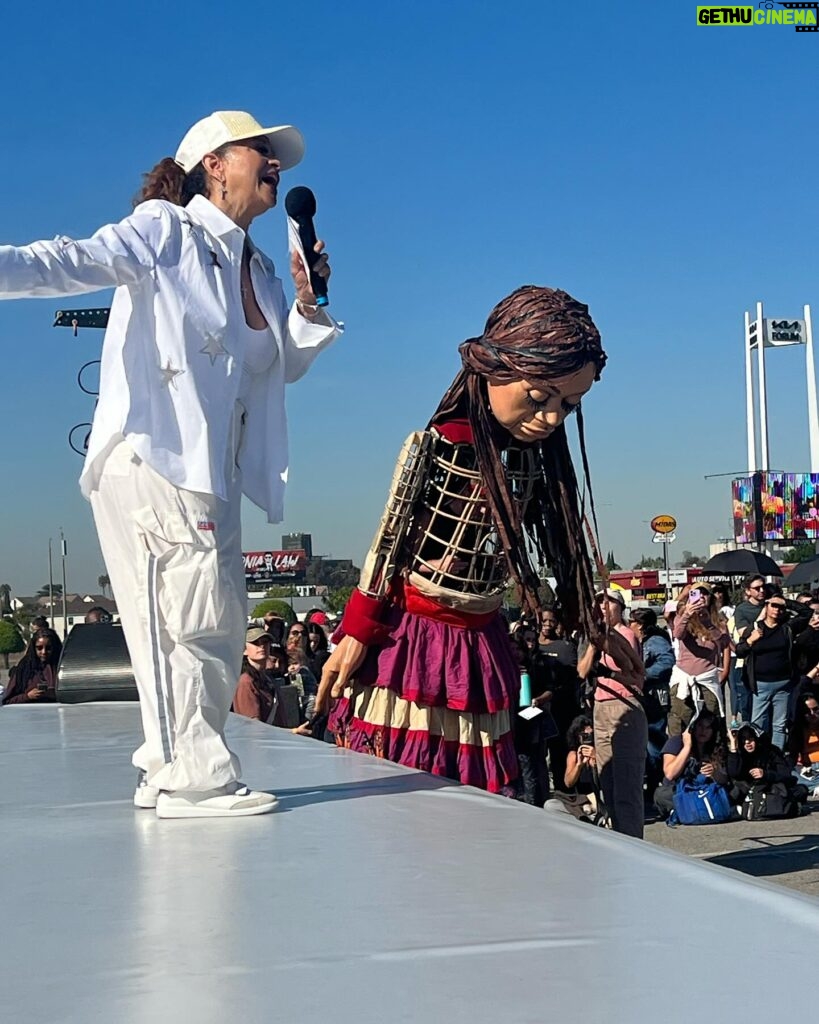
(168, 374)
(213, 349)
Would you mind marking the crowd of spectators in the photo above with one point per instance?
(715, 693)
(711, 693)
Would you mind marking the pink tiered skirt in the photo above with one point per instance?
(439, 698)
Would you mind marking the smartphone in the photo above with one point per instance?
(694, 596)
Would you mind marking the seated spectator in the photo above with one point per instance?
(698, 751)
(803, 746)
(580, 794)
(33, 680)
(97, 614)
(757, 768)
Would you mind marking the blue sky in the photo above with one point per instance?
(663, 173)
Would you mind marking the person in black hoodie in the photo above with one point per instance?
(755, 767)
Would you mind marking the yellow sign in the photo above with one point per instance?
(663, 524)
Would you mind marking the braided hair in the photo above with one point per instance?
(537, 335)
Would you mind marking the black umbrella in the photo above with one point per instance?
(740, 563)
(804, 574)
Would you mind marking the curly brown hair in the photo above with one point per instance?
(168, 181)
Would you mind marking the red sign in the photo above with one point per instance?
(263, 568)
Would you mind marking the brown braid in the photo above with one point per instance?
(537, 335)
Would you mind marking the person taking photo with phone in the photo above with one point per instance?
(703, 658)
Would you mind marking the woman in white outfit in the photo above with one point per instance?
(198, 349)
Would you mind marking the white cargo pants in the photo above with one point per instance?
(174, 559)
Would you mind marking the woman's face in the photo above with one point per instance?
(775, 610)
(313, 639)
(295, 638)
(251, 176)
(812, 712)
(749, 743)
(530, 413)
(43, 648)
(256, 653)
(703, 731)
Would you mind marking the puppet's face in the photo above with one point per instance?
(530, 413)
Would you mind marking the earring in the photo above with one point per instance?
(224, 190)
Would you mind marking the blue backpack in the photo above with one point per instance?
(700, 801)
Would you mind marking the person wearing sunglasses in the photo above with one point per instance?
(199, 346)
(767, 647)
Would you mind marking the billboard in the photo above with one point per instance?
(785, 506)
(266, 568)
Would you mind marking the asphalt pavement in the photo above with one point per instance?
(784, 852)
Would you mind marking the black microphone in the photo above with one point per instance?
(300, 204)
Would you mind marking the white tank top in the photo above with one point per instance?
(260, 354)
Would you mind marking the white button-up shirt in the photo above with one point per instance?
(173, 351)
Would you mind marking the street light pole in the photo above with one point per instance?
(50, 585)
(64, 552)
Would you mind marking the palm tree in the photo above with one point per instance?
(103, 582)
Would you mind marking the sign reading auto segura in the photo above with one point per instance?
(663, 524)
(263, 568)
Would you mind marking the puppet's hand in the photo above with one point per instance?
(343, 663)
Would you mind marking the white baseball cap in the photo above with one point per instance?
(224, 126)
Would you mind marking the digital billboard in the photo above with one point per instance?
(785, 504)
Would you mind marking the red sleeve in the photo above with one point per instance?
(362, 618)
(246, 700)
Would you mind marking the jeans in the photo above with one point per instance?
(772, 699)
(740, 695)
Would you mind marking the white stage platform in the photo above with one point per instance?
(375, 894)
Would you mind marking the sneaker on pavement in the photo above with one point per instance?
(145, 796)
(234, 801)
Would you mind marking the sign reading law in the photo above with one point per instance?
(264, 568)
(663, 524)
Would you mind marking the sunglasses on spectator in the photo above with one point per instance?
(756, 586)
(777, 607)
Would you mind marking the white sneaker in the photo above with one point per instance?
(145, 796)
(234, 801)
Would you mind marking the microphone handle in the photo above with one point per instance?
(307, 234)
